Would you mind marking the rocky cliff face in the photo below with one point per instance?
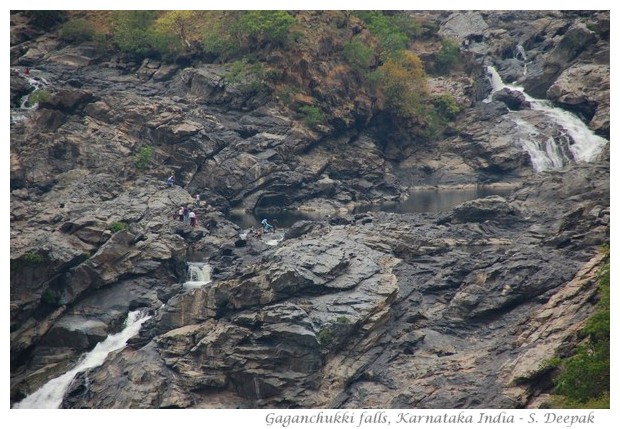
(444, 310)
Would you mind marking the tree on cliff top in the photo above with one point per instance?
(402, 81)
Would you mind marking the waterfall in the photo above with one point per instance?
(577, 142)
(50, 395)
(520, 54)
(496, 83)
(198, 274)
(544, 153)
(37, 82)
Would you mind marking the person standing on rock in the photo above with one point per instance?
(170, 181)
(192, 218)
(185, 214)
(180, 213)
(266, 226)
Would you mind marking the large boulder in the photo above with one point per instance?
(584, 88)
(463, 26)
(493, 208)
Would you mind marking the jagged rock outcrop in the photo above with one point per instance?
(404, 311)
(584, 88)
(367, 310)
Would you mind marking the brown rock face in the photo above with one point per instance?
(364, 310)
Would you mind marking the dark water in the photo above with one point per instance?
(279, 219)
(435, 200)
(421, 201)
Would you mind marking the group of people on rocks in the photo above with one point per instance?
(186, 215)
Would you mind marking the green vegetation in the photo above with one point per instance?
(46, 19)
(245, 76)
(118, 226)
(392, 30)
(448, 56)
(230, 34)
(224, 34)
(446, 106)
(262, 26)
(130, 30)
(218, 40)
(33, 258)
(51, 297)
(38, 96)
(77, 30)
(136, 32)
(143, 158)
(377, 54)
(402, 81)
(583, 380)
(287, 92)
(343, 320)
(326, 337)
(28, 259)
(178, 23)
(312, 115)
(357, 54)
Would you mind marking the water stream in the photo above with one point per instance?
(575, 143)
(50, 395)
(36, 81)
(198, 275)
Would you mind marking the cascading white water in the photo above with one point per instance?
(520, 54)
(198, 274)
(544, 153)
(50, 394)
(36, 81)
(547, 154)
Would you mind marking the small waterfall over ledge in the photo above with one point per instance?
(575, 142)
(50, 395)
(198, 274)
(36, 81)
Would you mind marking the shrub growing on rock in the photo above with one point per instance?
(135, 32)
(312, 115)
(38, 96)
(392, 30)
(325, 337)
(33, 258)
(261, 26)
(402, 81)
(584, 378)
(77, 30)
(143, 158)
(118, 226)
(245, 76)
(448, 56)
(357, 54)
(51, 297)
(46, 19)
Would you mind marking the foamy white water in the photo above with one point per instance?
(50, 394)
(580, 140)
(198, 274)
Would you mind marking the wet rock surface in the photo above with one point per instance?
(445, 310)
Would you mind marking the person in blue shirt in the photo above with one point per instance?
(266, 226)
(170, 181)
